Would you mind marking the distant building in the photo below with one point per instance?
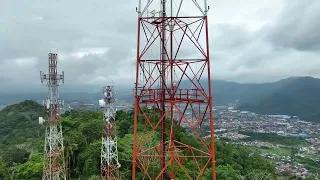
(281, 116)
(300, 135)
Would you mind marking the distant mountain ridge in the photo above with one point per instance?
(293, 96)
(298, 96)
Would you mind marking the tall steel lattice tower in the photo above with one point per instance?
(53, 162)
(109, 151)
(173, 89)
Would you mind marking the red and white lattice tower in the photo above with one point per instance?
(53, 161)
(173, 74)
(109, 151)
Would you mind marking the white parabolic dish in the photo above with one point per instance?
(41, 120)
(102, 103)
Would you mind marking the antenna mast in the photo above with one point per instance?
(109, 151)
(176, 90)
(53, 161)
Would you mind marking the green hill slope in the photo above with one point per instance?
(20, 135)
(19, 122)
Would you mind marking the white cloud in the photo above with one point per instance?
(25, 62)
(37, 18)
(82, 52)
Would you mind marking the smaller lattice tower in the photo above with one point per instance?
(109, 151)
(53, 161)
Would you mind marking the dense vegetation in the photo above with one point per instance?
(22, 146)
(275, 138)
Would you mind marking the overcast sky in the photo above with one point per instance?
(250, 40)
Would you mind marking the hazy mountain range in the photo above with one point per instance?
(293, 96)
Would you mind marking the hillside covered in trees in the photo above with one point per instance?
(295, 96)
(22, 139)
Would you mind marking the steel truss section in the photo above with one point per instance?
(173, 89)
(109, 151)
(53, 162)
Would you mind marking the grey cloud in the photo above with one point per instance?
(236, 44)
(249, 56)
(236, 53)
(231, 36)
(298, 27)
(34, 30)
